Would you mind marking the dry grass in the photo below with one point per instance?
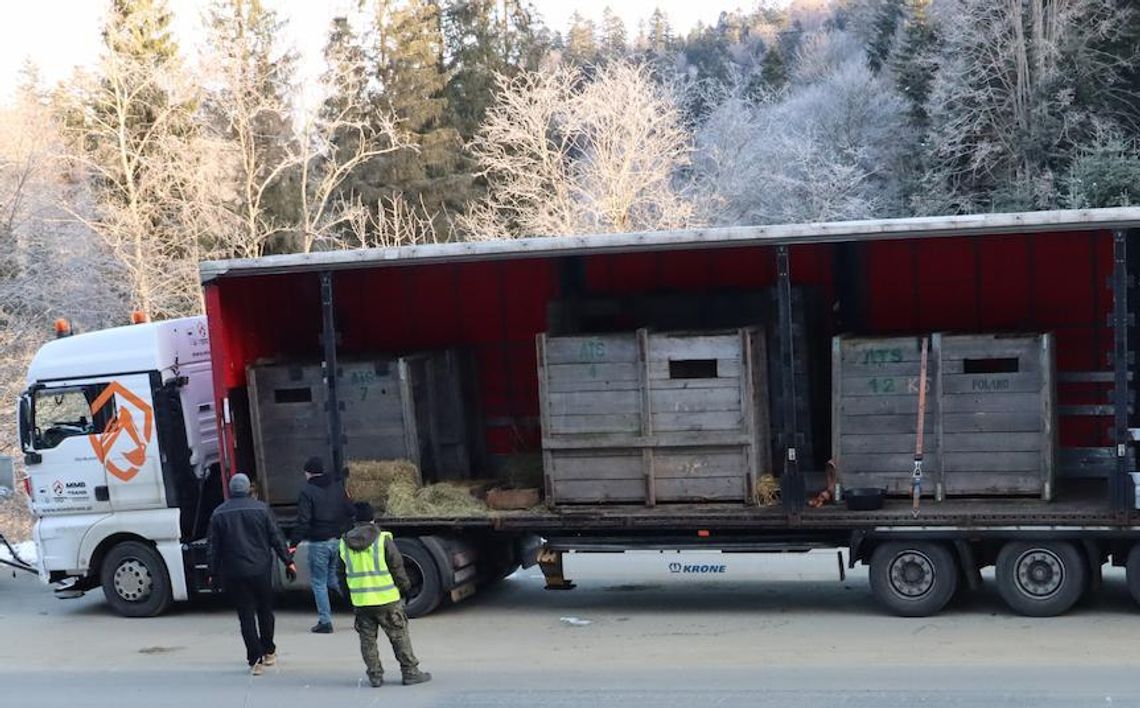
(392, 486)
(15, 520)
(768, 490)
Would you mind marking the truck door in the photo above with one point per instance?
(97, 446)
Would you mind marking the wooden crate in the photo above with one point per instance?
(989, 423)
(415, 408)
(997, 430)
(651, 418)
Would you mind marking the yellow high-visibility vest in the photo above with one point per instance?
(366, 572)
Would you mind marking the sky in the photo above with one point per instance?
(58, 35)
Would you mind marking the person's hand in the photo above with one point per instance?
(291, 572)
(292, 550)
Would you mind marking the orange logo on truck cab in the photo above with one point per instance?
(124, 461)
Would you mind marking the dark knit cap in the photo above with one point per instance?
(314, 465)
(364, 512)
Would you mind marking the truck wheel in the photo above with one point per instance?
(1041, 579)
(913, 579)
(135, 580)
(1132, 572)
(427, 589)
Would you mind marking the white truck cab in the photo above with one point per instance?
(119, 438)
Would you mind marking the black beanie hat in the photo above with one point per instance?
(364, 512)
(314, 465)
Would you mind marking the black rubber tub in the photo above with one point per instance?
(864, 498)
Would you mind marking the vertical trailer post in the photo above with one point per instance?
(332, 406)
(791, 480)
(1121, 395)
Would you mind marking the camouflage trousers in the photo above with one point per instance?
(394, 621)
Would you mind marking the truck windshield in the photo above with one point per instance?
(60, 413)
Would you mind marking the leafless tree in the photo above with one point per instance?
(563, 155)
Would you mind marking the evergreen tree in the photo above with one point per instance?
(140, 29)
(659, 33)
(581, 42)
(915, 61)
(613, 41)
(886, 18)
(484, 38)
(774, 69)
(409, 56)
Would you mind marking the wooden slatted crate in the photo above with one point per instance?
(989, 424)
(416, 408)
(652, 418)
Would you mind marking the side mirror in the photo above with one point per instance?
(25, 422)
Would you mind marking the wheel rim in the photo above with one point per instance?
(133, 580)
(415, 576)
(911, 575)
(1040, 573)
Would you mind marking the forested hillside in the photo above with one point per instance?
(473, 119)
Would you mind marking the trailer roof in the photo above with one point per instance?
(722, 237)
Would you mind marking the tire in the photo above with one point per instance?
(913, 579)
(135, 580)
(1041, 579)
(1132, 572)
(427, 588)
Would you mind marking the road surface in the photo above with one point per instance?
(761, 631)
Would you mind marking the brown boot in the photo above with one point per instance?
(417, 676)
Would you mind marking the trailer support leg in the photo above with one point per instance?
(328, 339)
(550, 562)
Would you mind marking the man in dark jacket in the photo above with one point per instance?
(324, 512)
(374, 571)
(243, 538)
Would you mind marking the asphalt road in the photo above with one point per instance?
(768, 631)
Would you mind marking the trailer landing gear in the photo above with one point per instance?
(551, 564)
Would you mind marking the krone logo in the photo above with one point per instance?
(123, 460)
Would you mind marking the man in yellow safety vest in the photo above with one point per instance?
(376, 579)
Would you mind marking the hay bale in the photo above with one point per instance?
(443, 499)
(372, 480)
(768, 490)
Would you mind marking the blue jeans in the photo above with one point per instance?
(322, 575)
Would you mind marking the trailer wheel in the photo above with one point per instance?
(427, 588)
(135, 580)
(913, 579)
(1041, 579)
(1132, 572)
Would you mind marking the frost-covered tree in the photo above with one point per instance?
(829, 150)
(566, 156)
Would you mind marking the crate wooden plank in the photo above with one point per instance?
(663, 347)
(597, 465)
(695, 400)
(881, 405)
(1007, 403)
(690, 462)
(871, 444)
(584, 373)
(1005, 484)
(855, 386)
(993, 462)
(992, 442)
(984, 421)
(591, 350)
(715, 420)
(884, 462)
(877, 352)
(701, 489)
(994, 384)
(695, 384)
(592, 424)
(884, 424)
(598, 491)
(594, 402)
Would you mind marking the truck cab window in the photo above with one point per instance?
(61, 413)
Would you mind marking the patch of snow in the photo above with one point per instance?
(26, 550)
